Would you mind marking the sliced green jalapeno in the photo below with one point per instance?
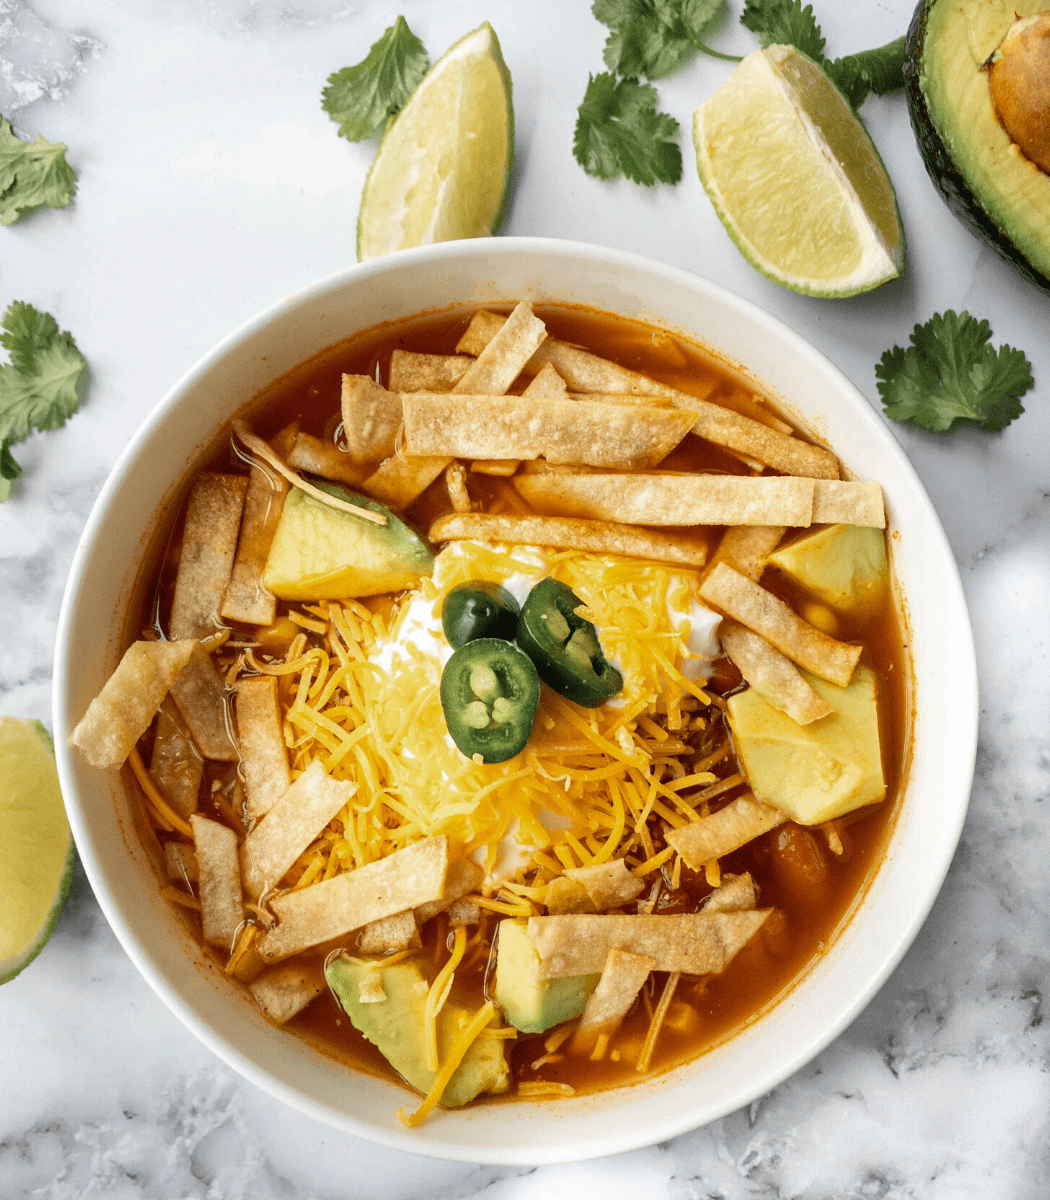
(478, 610)
(565, 647)
(490, 692)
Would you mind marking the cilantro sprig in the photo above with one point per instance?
(620, 132)
(32, 174)
(362, 98)
(38, 387)
(649, 39)
(951, 373)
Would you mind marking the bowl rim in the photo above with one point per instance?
(964, 736)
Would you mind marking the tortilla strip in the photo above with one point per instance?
(285, 991)
(500, 362)
(585, 372)
(456, 482)
(398, 932)
(609, 885)
(264, 760)
(495, 466)
(838, 503)
(180, 863)
(201, 696)
(565, 895)
(245, 598)
(768, 615)
(122, 712)
(673, 499)
(736, 893)
(620, 398)
(289, 827)
(463, 912)
(563, 431)
(623, 977)
(464, 875)
(772, 674)
(694, 943)
(399, 481)
(175, 766)
(741, 821)
(547, 382)
(746, 548)
(371, 419)
(220, 881)
(318, 457)
(569, 533)
(344, 903)
(209, 542)
(411, 372)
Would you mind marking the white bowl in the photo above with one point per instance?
(147, 480)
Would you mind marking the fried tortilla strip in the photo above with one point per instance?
(289, 827)
(495, 466)
(399, 481)
(566, 896)
(371, 419)
(463, 912)
(411, 372)
(501, 360)
(608, 885)
(621, 398)
(398, 932)
(673, 499)
(220, 881)
(772, 674)
(746, 548)
(209, 542)
(569, 533)
(546, 383)
(175, 766)
(285, 991)
(769, 616)
(623, 977)
(122, 712)
(456, 482)
(245, 598)
(464, 875)
(318, 457)
(564, 431)
(838, 503)
(344, 903)
(585, 372)
(180, 863)
(201, 696)
(264, 759)
(736, 893)
(741, 821)
(694, 943)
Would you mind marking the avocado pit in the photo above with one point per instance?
(1019, 78)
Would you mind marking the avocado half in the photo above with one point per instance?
(983, 177)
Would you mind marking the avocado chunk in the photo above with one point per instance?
(843, 565)
(395, 1027)
(324, 553)
(982, 174)
(530, 1004)
(819, 771)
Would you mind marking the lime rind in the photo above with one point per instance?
(882, 257)
(381, 230)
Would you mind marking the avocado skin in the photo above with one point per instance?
(950, 182)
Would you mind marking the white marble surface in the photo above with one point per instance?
(211, 183)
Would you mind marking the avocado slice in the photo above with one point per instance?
(530, 1004)
(843, 565)
(1002, 195)
(819, 771)
(324, 553)
(395, 1027)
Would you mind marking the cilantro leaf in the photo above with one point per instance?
(32, 174)
(652, 38)
(38, 388)
(362, 98)
(950, 373)
(786, 22)
(619, 132)
(871, 72)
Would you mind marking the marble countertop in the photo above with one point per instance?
(212, 183)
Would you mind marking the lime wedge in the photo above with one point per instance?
(36, 848)
(795, 178)
(442, 167)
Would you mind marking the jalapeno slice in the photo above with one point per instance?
(565, 647)
(490, 692)
(478, 610)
